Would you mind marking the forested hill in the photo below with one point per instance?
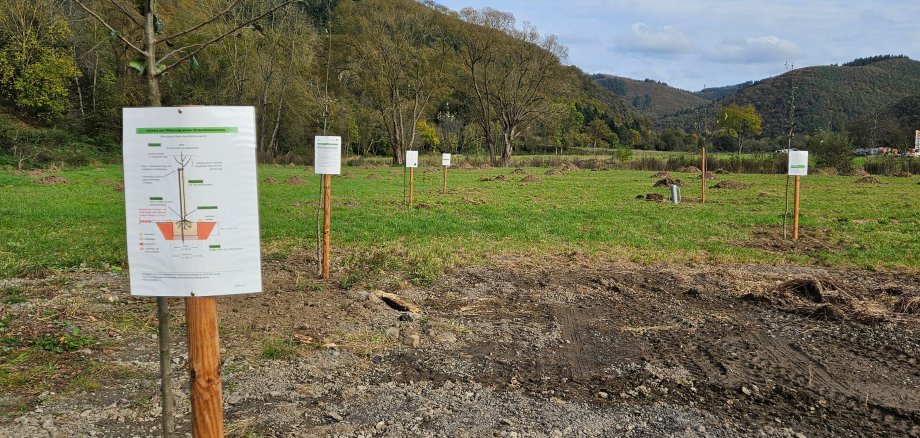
(387, 75)
(656, 99)
(826, 97)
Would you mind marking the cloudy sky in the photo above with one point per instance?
(692, 43)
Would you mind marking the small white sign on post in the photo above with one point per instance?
(327, 155)
(411, 158)
(191, 201)
(798, 163)
(445, 160)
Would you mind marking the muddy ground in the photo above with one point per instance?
(567, 346)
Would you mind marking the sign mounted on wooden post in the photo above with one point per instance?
(327, 154)
(445, 161)
(411, 163)
(798, 167)
(191, 208)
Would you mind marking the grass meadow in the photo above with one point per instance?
(81, 224)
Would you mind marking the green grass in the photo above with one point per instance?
(81, 224)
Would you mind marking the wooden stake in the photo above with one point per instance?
(327, 219)
(444, 191)
(411, 179)
(703, 177)
(204, 367)
(795, 211)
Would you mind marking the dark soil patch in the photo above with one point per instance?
(868, 180)
(692, 169)
(520, 171)
(722, 171)
(668, 182)
(903, 175)
(531, 179)
(727, 184)
(295, 181)
(501, 178)
(52, 180)
(810, 240)
(270, 181)
(857, 172)
(657, 197)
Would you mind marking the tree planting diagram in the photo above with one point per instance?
(184, 229)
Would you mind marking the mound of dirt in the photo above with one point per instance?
(295, 181)
(868, 180)
(519, 171)
(668, 182)
(903, 175)
(727, 184)
(373, 176)
(501, 178)
(531, 179)
(119, 187)
(270, 180)
(825, 171)
(693, 169)
(105, 182)
(465, 165)
(857, 172)
(722, 171)
(662, 174)
(431, 170)
(569, 166)
(657, 197)
(553, 172)
(709, 175)
(52, 180)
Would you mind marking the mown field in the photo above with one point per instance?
(47, 227)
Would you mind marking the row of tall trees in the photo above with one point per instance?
(373, 71)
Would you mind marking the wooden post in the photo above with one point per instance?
(411, 181)
(795, 211)
(204, 367)
(327, 219)
(703, 177)
(444, 191)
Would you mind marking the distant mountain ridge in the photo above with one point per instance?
(826, 97)
(653, 98)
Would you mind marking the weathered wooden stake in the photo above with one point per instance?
(327, 219)
(411, 182)
(204, 367)
(703, 177)
(444, 191)
(795, 211)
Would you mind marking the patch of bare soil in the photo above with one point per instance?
(728, 184)
(657, 197)
(868, 180)
(431, 170)
(569, 167)
(668, 182)
(662, 174)
(295, 181)
(373, 176)
(554, 172)
(465, 165)
(531, 179)
(564, 346)
(519, 171)
(709, 175)
(810, 240)
(693, 169)
(902, 175)
(722, 171)
(52, 180)
(857, 172)
(270, 181)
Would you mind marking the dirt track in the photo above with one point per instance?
(564, 347)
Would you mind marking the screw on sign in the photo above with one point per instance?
(191, 203)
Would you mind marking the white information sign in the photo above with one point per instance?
(445, 160)
(327, 156)
(411, 158)
(191, 201)
(798, 163)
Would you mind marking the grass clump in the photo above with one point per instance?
(277, 348)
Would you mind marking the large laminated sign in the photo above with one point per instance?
(445, 160)
(191, 201)
(327, 156)
(411, 158)
(798, 163)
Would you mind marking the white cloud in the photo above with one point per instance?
(666, 40)
(755, 50)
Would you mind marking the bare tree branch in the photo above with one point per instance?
(224, 35)
(181, 49)
(127, 14)
(107, 25)
(202, 24)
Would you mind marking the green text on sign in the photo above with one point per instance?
(207, 207)
(190, 130)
